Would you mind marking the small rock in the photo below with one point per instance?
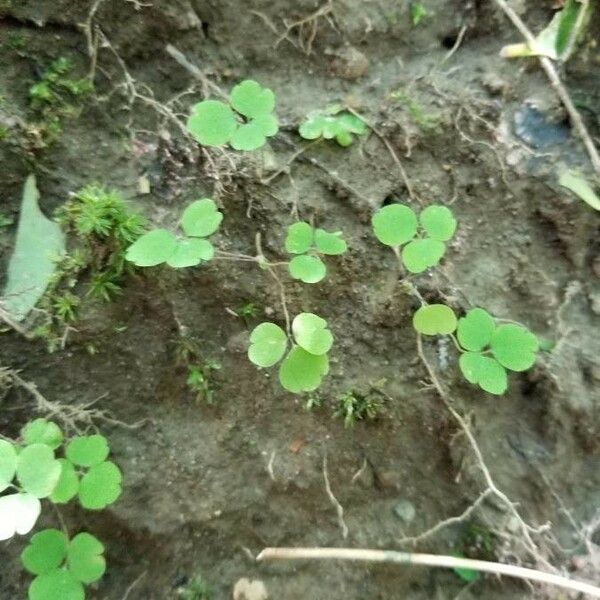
(349, 63)
(405, 510)
(245, 589)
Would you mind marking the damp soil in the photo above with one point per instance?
(208, 486)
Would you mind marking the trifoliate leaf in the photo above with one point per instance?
(201, 218)
(299, 238)
(419, 255)
(352, 123)
(475, 329)
(100, 486)
(39, 243)
(8, 464)
(309, 269)
(251, 100)
(46, 552)
(84, 558)
(248, 137)
(302, 371)
(311, 333)
(268, 344)
(68, 483)
(329, 243)
(41, 431)
(56, 585)
(484, 371)
(190, 252)
(38, 471)
(395, 224)
(87, 450)
(212, 123)
(330, 124)
(151, 249)
(18, 514)
(514, 347)
(439, 222)
(435, 319)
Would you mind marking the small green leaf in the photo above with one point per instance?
(309, 269)
(151, 249)
(514, 347)
(299, 238)
(84, 559)
(100, 486)
(475, 329)
(268, 343)
(311, 333)
(435, 319)
(332, 123)
(248, 137)
(190, 252)
(486, 372)
(439, 222)
(352, 123)
(46, 552)
(312, 128)
(201, 218)
(468, 575)
(417, 12)
(212, 123)
(56, 585)
(302, 371)
(330, 243)
(267, 124)
(41, 431)
(395, 224)
(566, 28)
(579, 186)
(87, 450)
(419, 255)
(68, 483)
(8, 464)
(38, 471)
(251, 100)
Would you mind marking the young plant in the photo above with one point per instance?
(307, 243)
(200, 380)
(32, 469)
(487, 349)
(306, 363)
(422, 240)
(158, 246)
(332, 123)
(245, 123)
(353, 407)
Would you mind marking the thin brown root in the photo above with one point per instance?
(339, 509)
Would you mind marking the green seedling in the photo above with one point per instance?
(422, 240)
(245, 123)
(42, 465)
(199, 380)
(559, 39)
(247, 311)
(307, 243)
(577, 184)
(417, 13)
(306, 363)
(353, 407)
(159, 246)
(196, 589)
(332, 123)
(487, 349)
(424, 120)
(5, 220)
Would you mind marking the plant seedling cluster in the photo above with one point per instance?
(307, 242)
(158, 246)
(306, 363)
(332, 123)
(422, 240)
(245, 123)
(32, 468)
(487, 349)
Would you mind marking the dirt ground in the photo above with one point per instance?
(208, 486)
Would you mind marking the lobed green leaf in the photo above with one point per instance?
(309, 269)
(87, 450)
(38, 471)
(475, 329)
(68, 483)
(311, 333)
(302, 371)
(56, 585)
(328, 243)
(419, 255)
(46, 552)
(394, 224)
(250, 99)
(486, 372)
(212, 123)
(268, 343)
(514, 347)
(201, 218)
(299, 238)
(439, 222)
(152, 248)
(41, 431)
(100, 486)
(84, 558)
(435, 319)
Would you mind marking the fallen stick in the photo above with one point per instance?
(427, 560)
